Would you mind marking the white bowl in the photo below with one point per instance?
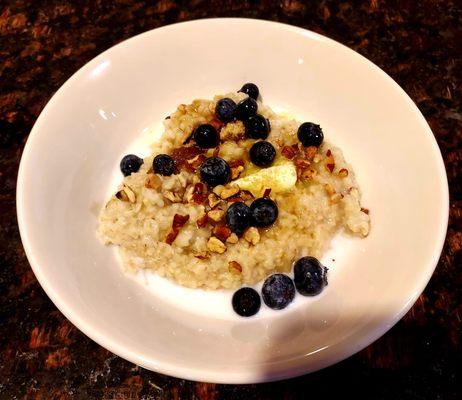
(72, 155)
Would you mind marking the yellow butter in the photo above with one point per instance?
(280, 177)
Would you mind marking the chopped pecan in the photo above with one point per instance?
(330, 162)
(216, 123)
(233, 239)
(216, 245)
(343, 173)
(302, 166)
(365, 210)
(310, 152)
(246, 195)
(173, 197)
(188, 194)
(229, 191)
(126, 194)
(234, 266)
(181, 154)
(307, 174)
(235, 199)
(195, 162)
(252, 235)
(236, 171)
(214, 200)
(222, 232)
(153, 182)
(218, 189)
(202, 221)
(289, 152)
(202, 255)
(267, 192)
(236, 163)
(178, 222)
(216, 215)
(199, 195)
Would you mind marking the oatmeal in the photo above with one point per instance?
(232, 193)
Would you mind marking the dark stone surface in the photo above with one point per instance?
(43, 356)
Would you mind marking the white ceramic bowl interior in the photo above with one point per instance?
(70, 165)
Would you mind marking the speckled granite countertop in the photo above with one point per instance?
(43, 356)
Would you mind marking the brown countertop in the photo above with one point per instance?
(42, 43)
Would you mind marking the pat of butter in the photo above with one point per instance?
(280, 177)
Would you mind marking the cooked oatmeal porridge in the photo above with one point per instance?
(211, 209)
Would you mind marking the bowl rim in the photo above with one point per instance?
(176, 370)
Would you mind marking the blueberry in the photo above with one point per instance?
(310, 134)
(246, 108)
(256, 127)
(163, 164)
(264, 212)
(206, 136)
(310, 276)
(246, 302)
(215, 171)
(130, 163)
(278, 291)
(251, 90)
(224, 110)
(262, 153)
(238, 217)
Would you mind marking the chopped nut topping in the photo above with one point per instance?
(233, 239)
(234, 266)
(232, 131)
(218, 189)
(222, 232)
(229, 191)
(310, 152)
(173, 197)
(181, 154)
(365, 210)
(188, 194)
(252, 235)
(199, 193)
(216, 215)
(343, 173)
(216, 245)
(267, 192)
(195, 162)
(307, 174)
(330, 162)
(126, 194)
(153, 182)
(214, 200)
(246, 195)
(236, 171)
(178, 222)
(289, 152)
(235, 199)
(202, 221)
(202, 255)
(216, 123)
